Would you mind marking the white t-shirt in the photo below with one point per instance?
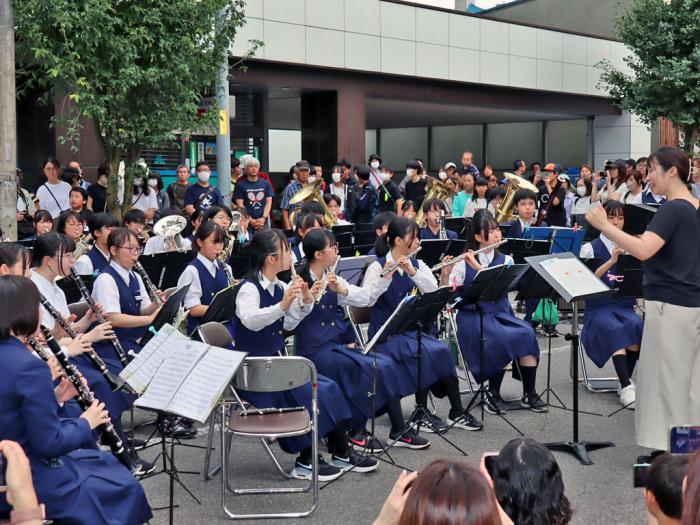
(143, 202)
(632, 199)
(54, 198)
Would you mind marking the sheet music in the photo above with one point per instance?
(573, 276)
(206, 383)
(170, 375)
(380, 332)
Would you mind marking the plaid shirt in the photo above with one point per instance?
(289, 192)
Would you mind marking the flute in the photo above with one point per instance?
(150, 287)
(439, 266)
(393, 267)
(121, 354)
(113, 381)
(300, 298)
(322, 290)
(85, 398)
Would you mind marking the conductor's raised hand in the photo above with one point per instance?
(597, 217)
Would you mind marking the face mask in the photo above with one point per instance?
(386, 177)
(410, 172)
(374, 164)
(442, 175)
(336, 177)
(203, 176)
(312, 179)
(581, 190)
(153, 183)
(138, 182)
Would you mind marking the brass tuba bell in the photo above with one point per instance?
(436, 190)
(504, 213)
(311, 193)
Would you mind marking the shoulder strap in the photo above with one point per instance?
(53, 196)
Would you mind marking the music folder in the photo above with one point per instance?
(165, 269)
(434, 250)
(167, 313)
(637, 218)
(221, 308)
(352, 269)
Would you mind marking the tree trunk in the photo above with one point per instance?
(8, 124)
(690, 139)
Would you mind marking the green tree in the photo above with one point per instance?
(664, 81)
(138, 68)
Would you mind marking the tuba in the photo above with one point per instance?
(436, 190)
(310, 193)
(170, 228)
(504, 213)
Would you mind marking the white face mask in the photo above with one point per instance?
(442, 175)
(374, 164)
(153, 183)
(203, 176)
(138, 182)
(410, 172)
(312, 179)
(336, 177)
(386, 177)
(581, 190)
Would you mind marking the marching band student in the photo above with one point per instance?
(195, 220)
(669, 249)
(394, 247)
(76, 484)
(205, 274)
(97, 259)
(319, 337)
(43, 223)
(435, 212)
(135, 221)
(333, 203)
(123, 297)
(495, 197)
(610, 325)
(70, 225)
(221, 215)
(507, 337)
(409, 209)
(264, 307)
(381, 224)
(305, 223)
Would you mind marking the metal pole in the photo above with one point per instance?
(223, 135)
(8, 123)
(590, 136)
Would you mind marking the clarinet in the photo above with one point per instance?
(150, 287)
(114, 382)
(85, 398)
(443, 231)
(121, 354)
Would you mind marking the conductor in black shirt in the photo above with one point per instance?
(668, 377)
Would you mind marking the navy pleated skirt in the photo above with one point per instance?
(609, 328)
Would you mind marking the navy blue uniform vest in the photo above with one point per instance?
(129, 303)
(210, 287)
(426, 233)
(389, 300)
(99, 263)
(270, 339)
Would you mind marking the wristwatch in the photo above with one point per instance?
(22, 516)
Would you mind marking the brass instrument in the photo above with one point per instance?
(439, 266)
(236, 217)
(170, 228)
(324, 281)
(82, 246)
(309, 193)
(504, 213)
(393, 267)
(150, 287)
(436, 190)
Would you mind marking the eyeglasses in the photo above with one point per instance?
(136, 250)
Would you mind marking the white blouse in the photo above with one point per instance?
(156, 244)
(459, 270)
(106, 292)
(84, 264)
(54, 295)
(357, 296)
(423, 278)
(191, 276)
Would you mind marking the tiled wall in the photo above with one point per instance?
(379, 36)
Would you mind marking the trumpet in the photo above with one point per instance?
(324, 280)
(439, 266)
(393, 267)
(300, 298)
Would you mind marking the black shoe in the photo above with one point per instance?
(533, 402)
(144, 467)
(429, 423)
(363, 442)
(176, 430)
(354, 461)
(326, 472)
(466, 422)
(551, 331)
(135, 443)
(495, 405)
(410, 439)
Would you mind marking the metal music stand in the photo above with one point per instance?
(573, 282)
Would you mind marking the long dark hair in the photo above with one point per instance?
(314, 241)
(264, 243)
(667, 157)
(399, 227)
(53, 244)
(450, 493)
(11, 253)
(529, 485)
(19, 307)
(691, 498)
(205, 230)
(482, 224)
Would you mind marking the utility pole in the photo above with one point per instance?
(8, 123)
(223, 135)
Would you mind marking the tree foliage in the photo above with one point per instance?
(664, 77)
(138, 68)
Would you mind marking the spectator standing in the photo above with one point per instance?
(415, 185)
(367, 198)
(53, 194)
(25, 210)
(254, 194)
(390, 198)
(202, 196)
(177, 190)
(155, 185)
(345, 192)
(97, 193)
(303, 170)
(556, 213)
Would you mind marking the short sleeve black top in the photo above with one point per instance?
(388, 195)
(415, 191)
(673, 274)
(99, 197)
(556, 215)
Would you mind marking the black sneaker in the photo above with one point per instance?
(326, 472)
(135, 443)
(494, 404)
(354, 461)
(177, 430)
(410, 439)
(551, 331)
(424, 420)
(533, 402)
(466, 421)
(146, 467)
(363, 442)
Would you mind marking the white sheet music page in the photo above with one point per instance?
(573, 276)
(204, 386)
(180, 361)
(146, 351)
